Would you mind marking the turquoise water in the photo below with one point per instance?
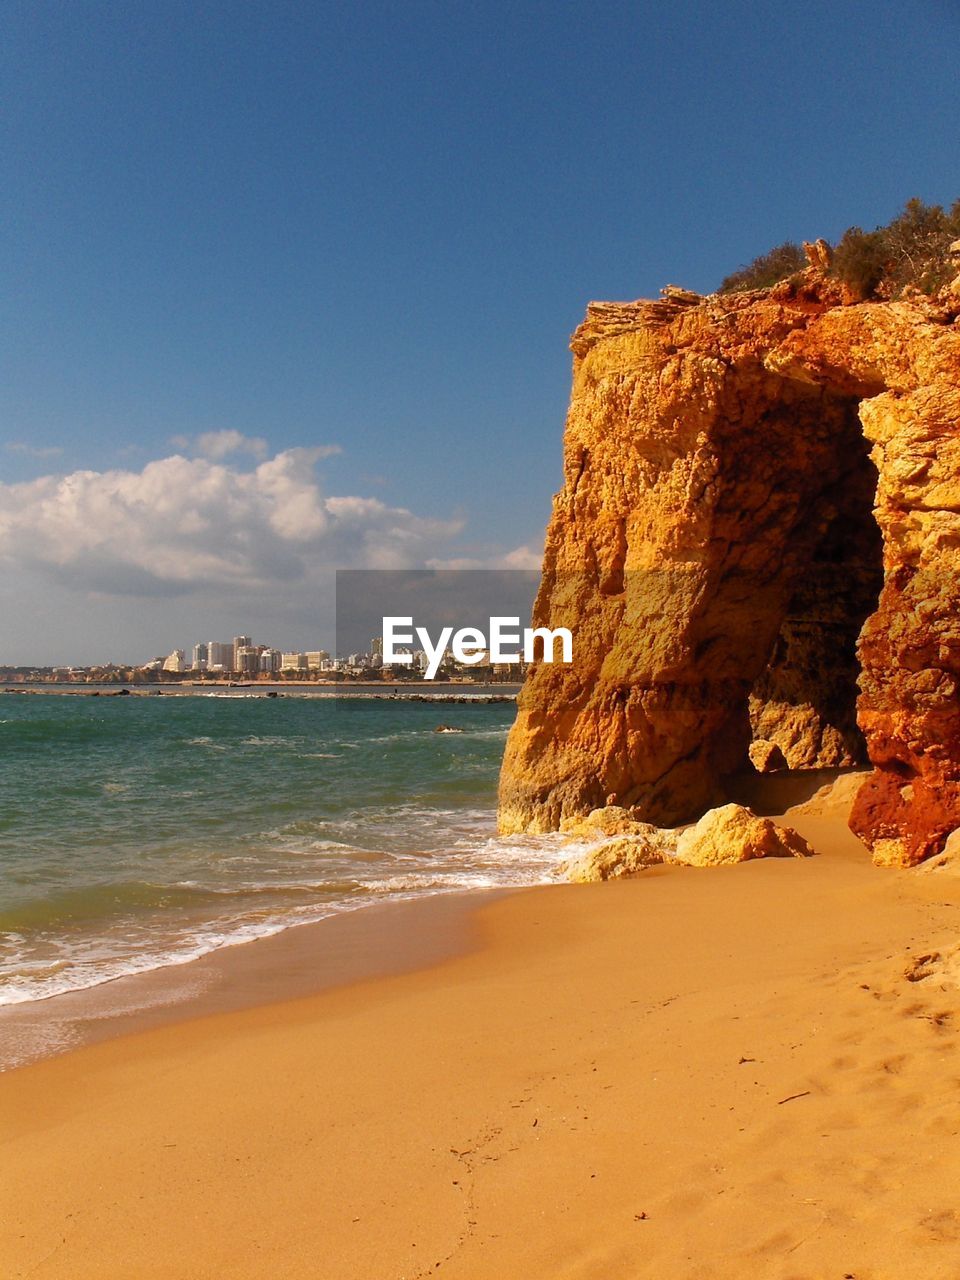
(138, 832)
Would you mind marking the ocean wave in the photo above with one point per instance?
(480, 733)
(137, 839)
(30, 973)
(267, 740)
(25, 981)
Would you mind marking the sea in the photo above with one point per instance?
(145, 831)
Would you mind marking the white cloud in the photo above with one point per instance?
(32, 451)
(184, 525)
(217, 446)
(526, 557)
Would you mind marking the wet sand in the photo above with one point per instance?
(388, 937)
(738, 1072)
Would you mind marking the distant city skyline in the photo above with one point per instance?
(241, 659)
(289, 288)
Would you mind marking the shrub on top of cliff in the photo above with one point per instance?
(860, 262)
(770, 268)
(912, 250)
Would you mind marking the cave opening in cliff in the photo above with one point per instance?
(803, 706)
(743, 585)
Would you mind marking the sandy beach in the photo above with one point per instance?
(747, 1071)
(480, 642)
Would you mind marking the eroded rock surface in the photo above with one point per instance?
(732, 834)
(725, 835)
(623, 856)
(611, 820)
(766, 756)
(752, 481)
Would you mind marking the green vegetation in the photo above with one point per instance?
(783, 261)
(911, 251)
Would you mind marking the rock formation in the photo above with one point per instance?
(622, 856)
(735, 834)
(766, 756)
(752, 482)
(611, 820)
(722, 836)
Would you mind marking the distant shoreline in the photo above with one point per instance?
(406, 690)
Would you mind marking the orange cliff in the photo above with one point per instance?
(760, 512)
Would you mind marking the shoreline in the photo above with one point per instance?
(376, 939)
(729, 1072)
(151, 862)
(408, 690)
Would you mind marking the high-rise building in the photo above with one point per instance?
(201, 654)
(316, 658)
(175, 662)
(219, 655)
(293, 661)
(239, 642)
(270, 661)
(247, 660)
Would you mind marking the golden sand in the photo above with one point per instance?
(738, 1072)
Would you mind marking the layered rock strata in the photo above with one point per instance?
(752, 482)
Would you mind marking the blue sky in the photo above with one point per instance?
(369, 229)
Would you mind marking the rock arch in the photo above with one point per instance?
(750, 480)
